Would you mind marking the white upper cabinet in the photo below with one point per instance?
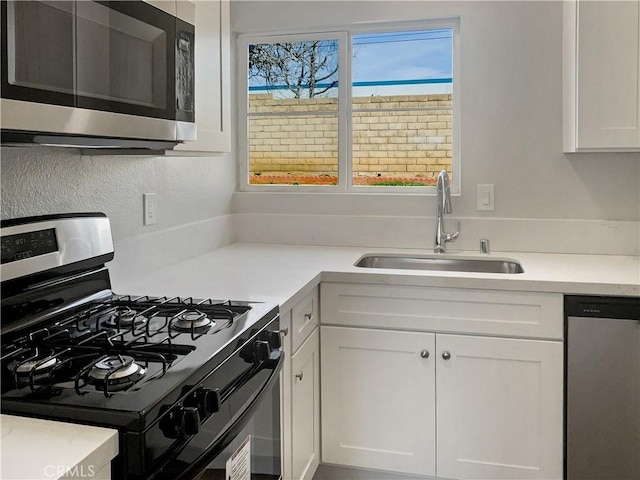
(601, 76)
(213, 81)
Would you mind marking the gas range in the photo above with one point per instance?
(162, 370)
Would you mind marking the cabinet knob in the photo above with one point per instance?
(284, 331)
(446, 355)
(299, 375)
(424, 353)
(308, 316)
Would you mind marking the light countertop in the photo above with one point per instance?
(283, 274)
(34, 449)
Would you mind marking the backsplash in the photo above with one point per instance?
(193, 199)
(38, 181)
(597, 237)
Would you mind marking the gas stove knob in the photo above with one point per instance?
(189, 420)
(274, 339)
(209, 400)
(180, 421)
(261, 351)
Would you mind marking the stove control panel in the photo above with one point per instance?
(33, 245)
(29, 244)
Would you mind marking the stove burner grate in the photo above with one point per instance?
(174, 315)
(114, 344)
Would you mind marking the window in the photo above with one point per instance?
(393, 129)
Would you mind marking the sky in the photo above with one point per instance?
(402, 56)
(398, 56)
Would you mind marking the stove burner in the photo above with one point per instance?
(118, 371)
(39, 367)
(124, 317)
(192, 321)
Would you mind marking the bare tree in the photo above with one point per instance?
(307, 69)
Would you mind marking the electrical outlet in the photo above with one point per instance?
(150, 208)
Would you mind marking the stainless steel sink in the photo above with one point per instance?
(440, 263)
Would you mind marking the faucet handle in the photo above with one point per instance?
(457, 230)
(452, 237)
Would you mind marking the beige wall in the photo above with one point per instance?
(402, 143)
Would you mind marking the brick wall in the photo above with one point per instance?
(385, 143)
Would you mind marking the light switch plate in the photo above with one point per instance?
(486, 197)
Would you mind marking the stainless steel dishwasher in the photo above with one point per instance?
(602, 394)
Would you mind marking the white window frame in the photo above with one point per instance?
(345, 139)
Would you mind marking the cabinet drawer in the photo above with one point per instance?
(507, 313)
(304, 318)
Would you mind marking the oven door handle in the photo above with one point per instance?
(198, 466)
(247, 375)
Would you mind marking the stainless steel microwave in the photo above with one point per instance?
(98, 73)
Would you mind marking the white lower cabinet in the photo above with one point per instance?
(305, 409)
(499, 408)
(441, 390)
(378, 399)
(301, 389)
(495, 403)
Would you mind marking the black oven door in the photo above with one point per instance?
(258, 441)
(242, 440)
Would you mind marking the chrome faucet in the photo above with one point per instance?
(443, 205)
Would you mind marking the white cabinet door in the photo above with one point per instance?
(602, 77)
(499, 412)
(213, 80)
(305, 409)
(378, 399)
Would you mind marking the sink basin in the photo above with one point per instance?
(440, 263)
